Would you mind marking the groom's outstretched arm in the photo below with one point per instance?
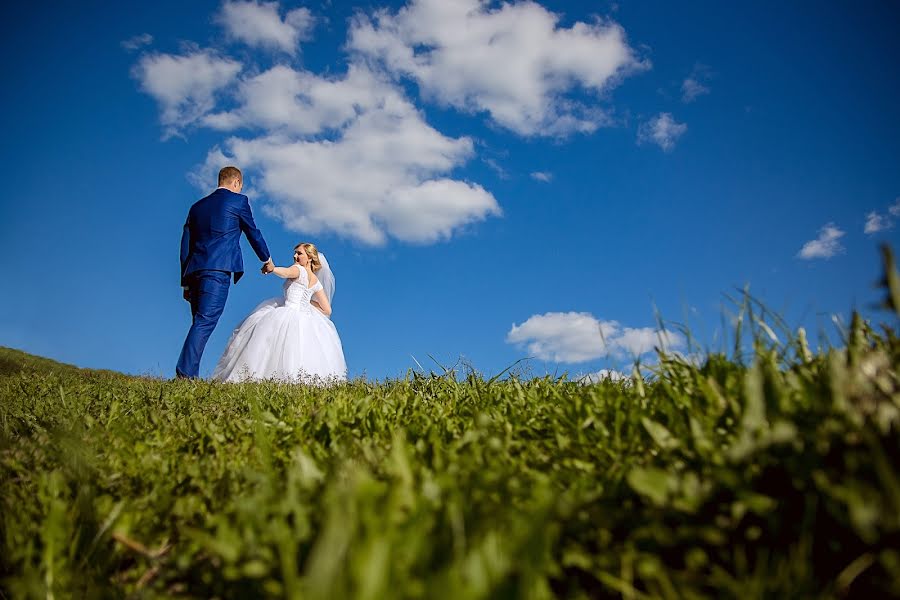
(254, 235)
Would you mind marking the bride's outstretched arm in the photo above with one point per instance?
(291, 272)
(320, 301)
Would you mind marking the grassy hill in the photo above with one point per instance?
(775, 475)
(13, 361)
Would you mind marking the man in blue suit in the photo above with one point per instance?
(210, 254)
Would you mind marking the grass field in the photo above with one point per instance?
(774, 474)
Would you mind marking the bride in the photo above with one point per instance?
(289, 338)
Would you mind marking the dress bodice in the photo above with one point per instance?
(298, 293)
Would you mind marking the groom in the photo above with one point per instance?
(210, 253)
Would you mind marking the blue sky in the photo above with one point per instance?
(488, 181)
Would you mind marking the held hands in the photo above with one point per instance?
(268, 267)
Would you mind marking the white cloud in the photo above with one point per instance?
(512, 61)
(497, 168)
(542, 176)
(876, 222)
(894, 209)
(133, 43)
(604, 375)
(637, 341)
(825, 246)
(578, 337)
(184, 86)
(384, 174)
(563, 337)
(695, 85)
(259, 24)
(691, 89)
(348, 154)
(662, 130)
(301, 103)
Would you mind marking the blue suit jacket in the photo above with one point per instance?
(212, 235)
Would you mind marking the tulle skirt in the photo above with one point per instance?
(287, 342)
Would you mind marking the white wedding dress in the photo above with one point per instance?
(286, 339)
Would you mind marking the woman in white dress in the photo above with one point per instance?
(289, 338)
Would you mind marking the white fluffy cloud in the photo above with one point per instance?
(350, 153)
(384, 174)
(542, 176)
(259, 24)
(825, 246)
(513, 61)
(662, 130)
(185, 86)
(579, 337)
(876, 222)
(301, 103)
(346, 154)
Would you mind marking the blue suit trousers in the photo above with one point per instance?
(208, 291)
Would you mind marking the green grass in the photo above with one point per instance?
(774, 476)
(13, 361)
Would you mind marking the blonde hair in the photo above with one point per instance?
(312, 253)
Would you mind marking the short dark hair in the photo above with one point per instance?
(227, 174)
